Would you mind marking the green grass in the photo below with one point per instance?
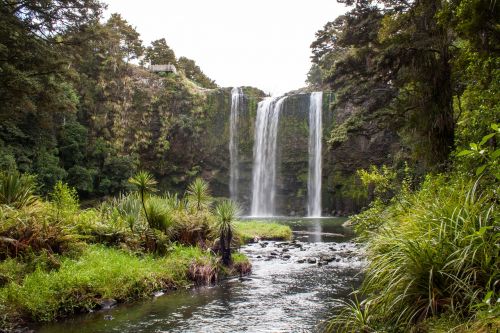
(434, 260)
(100, 272)
(247, 231)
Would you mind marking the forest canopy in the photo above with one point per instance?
(66, 77)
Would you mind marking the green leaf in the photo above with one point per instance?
(495, 127)
(473, 146)
(483, 230)
(486, 138)
(495, 154)
(480, 170)
(464, 153)
(487, 297)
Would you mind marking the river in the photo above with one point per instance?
(293, 287)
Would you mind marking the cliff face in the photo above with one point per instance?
(191, 126)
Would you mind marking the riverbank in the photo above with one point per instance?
(94, 276)
(433, 262)
(254, 230)
(57, 260)
(289, 290)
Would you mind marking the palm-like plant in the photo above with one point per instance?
(199, 193)
(226, 212)
(145, 183)
(17, 189)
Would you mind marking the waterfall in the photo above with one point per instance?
(315, 135)
(236, 97)
(264, 155)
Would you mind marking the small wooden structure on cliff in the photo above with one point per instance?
(169, 68)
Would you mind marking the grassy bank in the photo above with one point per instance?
(248, 231)
(99, 273)
(57, 259)
(434, 261)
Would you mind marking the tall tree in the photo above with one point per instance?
(159, 53)
(401, 53)
(35, 95)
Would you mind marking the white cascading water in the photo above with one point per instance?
(264, 151)
(315, 135)
(236, 97)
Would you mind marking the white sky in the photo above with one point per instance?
(257, 43)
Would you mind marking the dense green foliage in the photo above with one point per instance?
(57, 259)
(74, 107)
(428, 70)
(432, 254)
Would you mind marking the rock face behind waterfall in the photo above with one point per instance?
(184, 133)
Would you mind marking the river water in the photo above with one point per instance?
(293, 287)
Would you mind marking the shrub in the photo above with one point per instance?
(192, 228)
(198, 194)
(17, 189)
(65, 201)
(159, 213)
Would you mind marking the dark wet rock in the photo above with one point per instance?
(311, 260)
(327, 259)
(273, 253)
(285, 250)
(244, 279)
(319, 263)
(301, 261)
(107, 303)
(263, 244)
(258, 257)
(286, 256)
(338, 259)
(333, 249)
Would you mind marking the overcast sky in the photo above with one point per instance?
(260, 43)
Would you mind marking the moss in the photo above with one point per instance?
(247, 231)
(339, 133)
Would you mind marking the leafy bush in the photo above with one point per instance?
(30, 230)
(64, 200)
(17, 189)
(192, 228)
(158, 213)
(198, 194)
